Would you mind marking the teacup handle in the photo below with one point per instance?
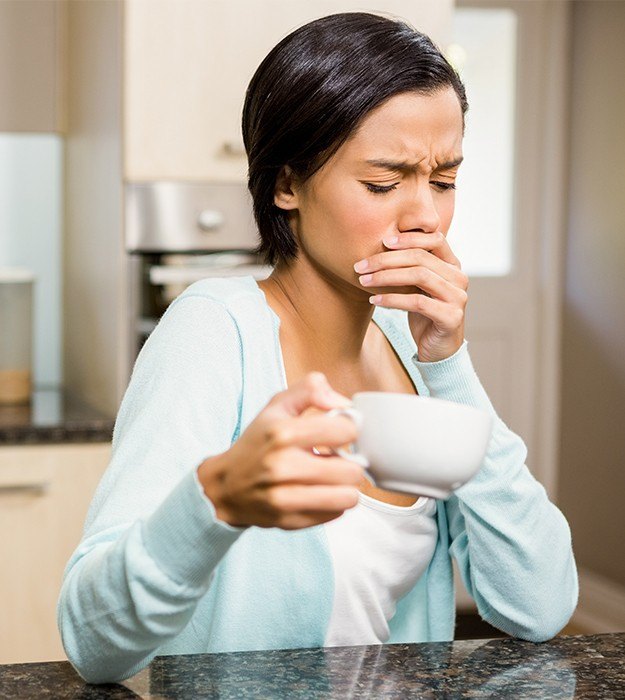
(356, 416)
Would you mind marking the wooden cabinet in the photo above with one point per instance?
(187, 66)
(32, 69)
(45, 492)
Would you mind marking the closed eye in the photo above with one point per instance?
(444, 185)
(380, 189)
(383, 189)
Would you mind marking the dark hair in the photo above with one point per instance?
(312, 91)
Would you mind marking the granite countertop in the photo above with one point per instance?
(53, 416)
(565, 667)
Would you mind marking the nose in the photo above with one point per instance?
(418, 212)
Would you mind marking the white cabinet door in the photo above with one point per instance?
(187, 65)
(44, 495)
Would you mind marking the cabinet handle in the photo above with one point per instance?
(22, 489)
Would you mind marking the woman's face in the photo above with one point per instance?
(394, 174)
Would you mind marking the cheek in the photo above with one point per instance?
(446, 212)
(355, 219)
(365, 219)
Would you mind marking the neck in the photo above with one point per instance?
(321, 315)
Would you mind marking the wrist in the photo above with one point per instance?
(452, 363)
(211, 476)
(426, 356)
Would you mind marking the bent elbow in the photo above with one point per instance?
(95, 669)
(537, 620)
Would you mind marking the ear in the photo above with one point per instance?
(285, 192)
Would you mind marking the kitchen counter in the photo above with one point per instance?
(53, 417)
(565, 667)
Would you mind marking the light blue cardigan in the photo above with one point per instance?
(155, 573)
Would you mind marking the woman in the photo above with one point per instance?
(216, 526)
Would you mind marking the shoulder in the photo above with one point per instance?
(225, 290)
(211, 308)
(201, 326)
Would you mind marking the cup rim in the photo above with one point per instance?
(412, 397)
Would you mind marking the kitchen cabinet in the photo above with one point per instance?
(187, 65)
(32, 69)
(45, 491)
(171, 78)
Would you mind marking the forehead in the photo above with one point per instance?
(409, 125)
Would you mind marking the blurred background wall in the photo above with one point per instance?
(592, 458)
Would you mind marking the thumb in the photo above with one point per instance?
(312, 390)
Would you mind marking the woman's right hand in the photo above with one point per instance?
(271, 478)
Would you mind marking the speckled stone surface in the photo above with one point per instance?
(566, 667)
(53, 417)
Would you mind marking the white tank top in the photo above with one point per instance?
(378, 552)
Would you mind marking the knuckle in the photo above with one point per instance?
(456, 316)
(314, 380)
(418, 274)
(271, 468)
(418, 302)
(276, 399)
(277, 435)
(274, 501)
(440, 238)
(418, 255)
(464, 298)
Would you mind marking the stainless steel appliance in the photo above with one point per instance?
(180, 232)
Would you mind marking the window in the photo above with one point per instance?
(484, 53)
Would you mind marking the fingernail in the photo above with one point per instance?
(375, 300)
(391, 240)
(361, 266)
(365, 279)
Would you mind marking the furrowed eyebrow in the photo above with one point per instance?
(403, 166)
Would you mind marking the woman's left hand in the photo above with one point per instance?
(436, 310)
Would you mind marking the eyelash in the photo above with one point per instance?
(381, 189)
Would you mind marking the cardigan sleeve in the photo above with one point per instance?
(152, 540)
(512, 545)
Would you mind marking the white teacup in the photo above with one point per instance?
(416, 444)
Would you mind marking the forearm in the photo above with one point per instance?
(122, 599)
(512, 544)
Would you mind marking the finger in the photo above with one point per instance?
(299, 521)
(295, 466)
(308, 431)
(435, 242)
(421, 277)
(413, 257)
(445, 316)
(312, 390)
(297, 499)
